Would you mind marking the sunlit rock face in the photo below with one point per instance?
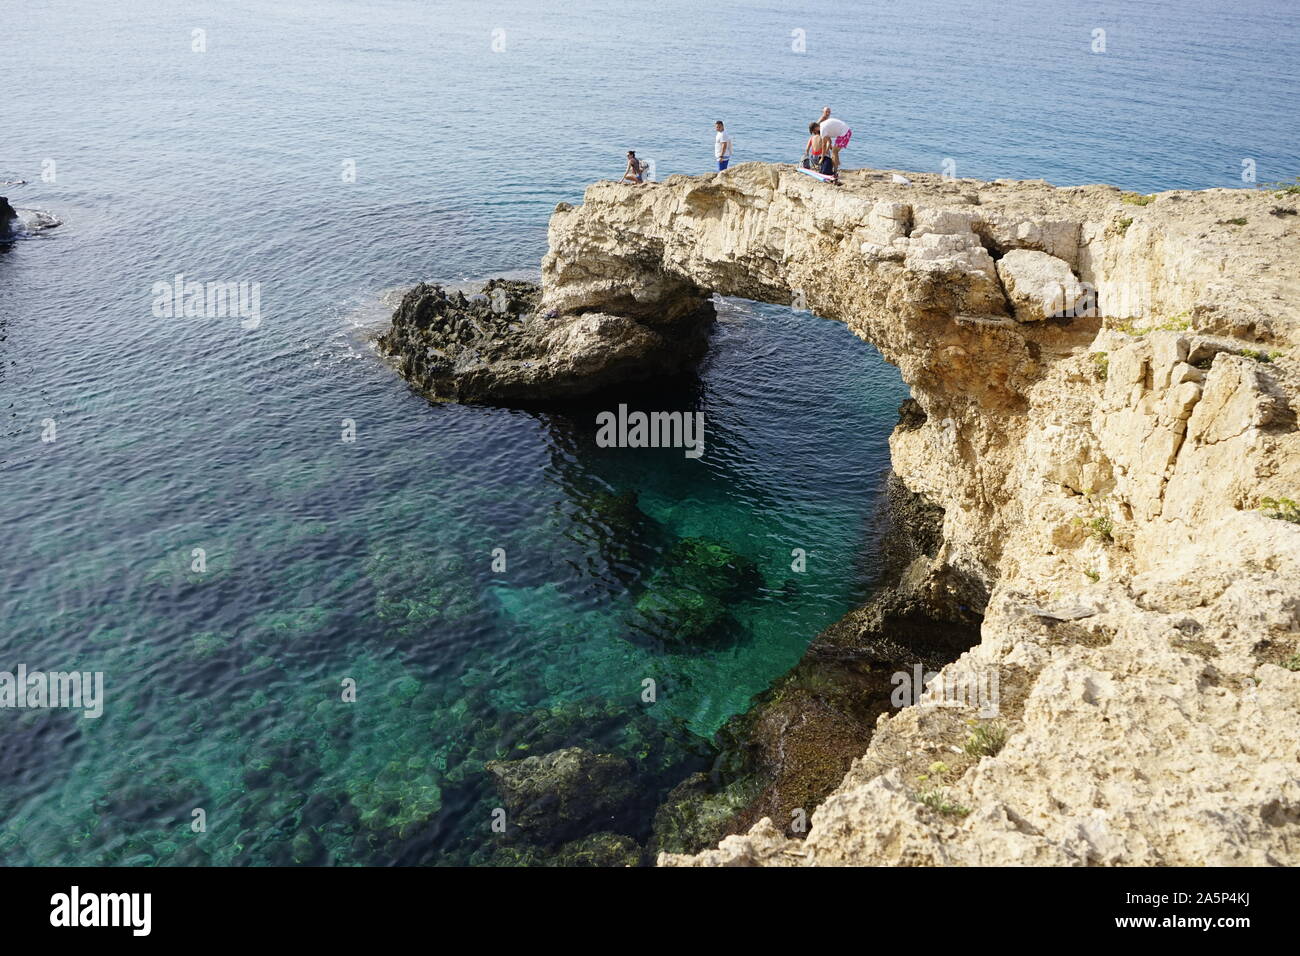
(495, 347)
(1106, 390)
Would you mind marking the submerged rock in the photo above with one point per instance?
(687, 601)
(613, 524)
(683, 617)
(659, 750)
(417, 591)
(714, 567)
(788, 752)
(699, 812)
(496, 348)
(597, 849)
(564, 794)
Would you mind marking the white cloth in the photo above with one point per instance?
(722, 144)
(834, 128)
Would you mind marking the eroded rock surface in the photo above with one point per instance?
(1040, 286)
(1101, 475)
(494, 347)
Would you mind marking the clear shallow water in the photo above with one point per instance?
(371, 559)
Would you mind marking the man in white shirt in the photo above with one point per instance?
(722, 146)
(837, 133)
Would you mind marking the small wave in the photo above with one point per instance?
(32, 222)
(35, 220)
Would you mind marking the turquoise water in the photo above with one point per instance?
(372, 560)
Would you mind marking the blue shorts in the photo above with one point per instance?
(722, 163)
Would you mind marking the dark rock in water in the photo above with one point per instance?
(620, 512)
(495, 348)
(597, 849)
(698, 812)
(783, 756)
(306, 849)
(658, 754)
(614, 526)
(8, 219)
(682, 617)
(564, 794)
(714, 567)
(686, 602)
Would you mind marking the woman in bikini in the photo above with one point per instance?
(633, 172)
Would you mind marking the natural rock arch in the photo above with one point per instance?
(1112, 479)
(1101, 473)
(927, 273)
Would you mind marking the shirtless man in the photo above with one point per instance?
(837, 133)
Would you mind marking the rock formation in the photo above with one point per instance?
(8, 219)
(793, 745)
(495, 348)
(1105, 392)
(562, 795)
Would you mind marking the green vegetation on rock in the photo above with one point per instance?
(940, 801)
(986, 739)
(1284, 509)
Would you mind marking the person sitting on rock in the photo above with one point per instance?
(635, 172)
(837, 135)
(815, 155)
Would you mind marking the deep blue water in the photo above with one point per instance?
(371, 559)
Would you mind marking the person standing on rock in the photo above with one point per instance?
(837, 134)
(722, 146)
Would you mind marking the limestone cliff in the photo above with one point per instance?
(1107, 389)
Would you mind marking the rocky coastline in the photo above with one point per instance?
(1096, 484)
(782, 757)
